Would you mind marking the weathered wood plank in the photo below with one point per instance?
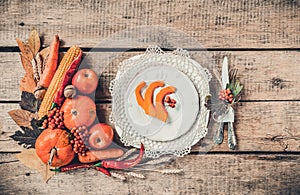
(221, 24)
(260, 126)
(203, 174)
(269, 75)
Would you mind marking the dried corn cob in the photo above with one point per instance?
(64, 65)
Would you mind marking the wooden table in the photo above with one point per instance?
(261, 39)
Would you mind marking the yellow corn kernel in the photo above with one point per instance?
(64, 65)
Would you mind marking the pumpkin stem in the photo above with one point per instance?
(53, 105)
(52, 154)
(74, 112)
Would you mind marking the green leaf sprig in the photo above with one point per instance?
(235, 86)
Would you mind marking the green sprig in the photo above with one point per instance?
(235, 87)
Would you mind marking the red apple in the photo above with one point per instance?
(85, 81)
(101, 136)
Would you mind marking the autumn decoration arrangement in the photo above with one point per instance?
(58, 117)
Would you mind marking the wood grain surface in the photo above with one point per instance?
(261, 39)
(215, 23)
(260, 127)
(265, 75)
(203, 174)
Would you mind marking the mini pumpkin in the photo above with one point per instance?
(53, 147)
(79, 111)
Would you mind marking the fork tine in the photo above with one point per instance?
(232, 74)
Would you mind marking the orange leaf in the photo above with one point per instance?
(25, 50)
(27, 83)
(30, 159)
(26, 64)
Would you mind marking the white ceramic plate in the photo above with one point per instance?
(187, 122)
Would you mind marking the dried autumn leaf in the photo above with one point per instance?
(27, 55)
(34, 42)
(36, 124)
(27, 83)
(22, 117)
(26, 64)
(44, 53)
(29, 102)
(27, 137)
(30, 159)
(25, 50)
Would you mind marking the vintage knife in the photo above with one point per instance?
(229, 115)
(218, 138)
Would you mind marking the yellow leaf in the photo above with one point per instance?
(30, 159)
(34, 42)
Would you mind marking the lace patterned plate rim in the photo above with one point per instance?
(153, 58)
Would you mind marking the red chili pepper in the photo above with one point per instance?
(103, 170)
(59, 97)
(73, 167)
(124, 164)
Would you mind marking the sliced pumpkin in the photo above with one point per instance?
(148, 101)
(158, 110)
(161, 112)
(138, 94)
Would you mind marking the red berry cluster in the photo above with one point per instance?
(79, 140)
(171, 102)
(54, 120)
(226, 95)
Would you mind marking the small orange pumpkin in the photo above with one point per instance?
(53, 147)
(79, 111)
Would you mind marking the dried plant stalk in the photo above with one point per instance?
(36, 75)
(117, 175)
(127, 154)
(136, 175)
(158, 161)
(39, 63)
(170, 171)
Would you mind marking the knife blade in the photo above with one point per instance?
(219, 134)
(225, 75)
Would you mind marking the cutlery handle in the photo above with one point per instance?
(231, 136)
(219, 134)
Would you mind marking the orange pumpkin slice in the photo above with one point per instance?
(138, 94)
(158, 110)
(148, 103)
(161, 112)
